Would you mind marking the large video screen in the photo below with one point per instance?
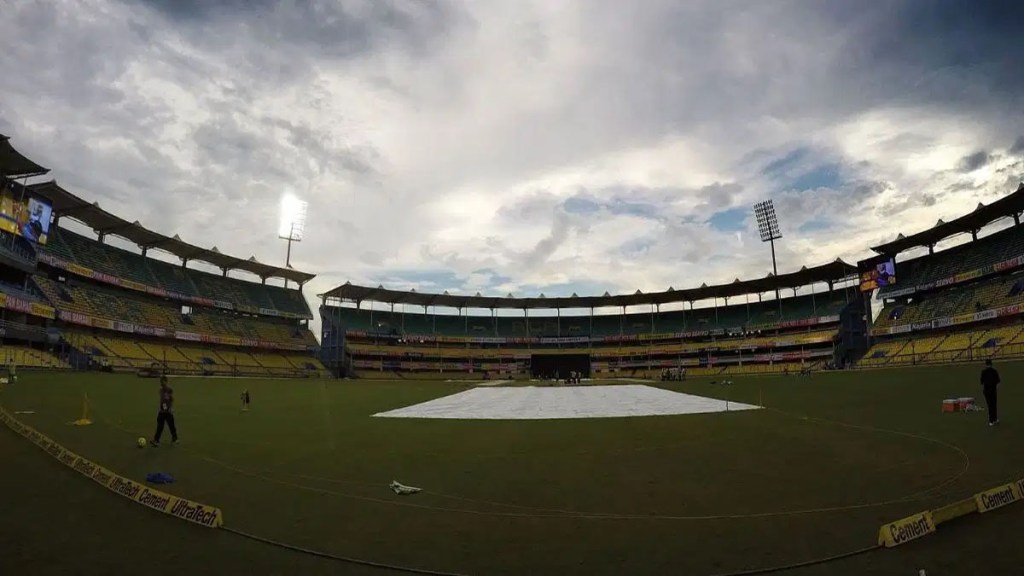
(877, 274)
(28, 218)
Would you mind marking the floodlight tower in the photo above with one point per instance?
(292, 225)
(768, 226)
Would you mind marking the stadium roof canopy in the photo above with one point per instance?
(831, 272)
(14, 165)
(1011, 205)
(68, 205)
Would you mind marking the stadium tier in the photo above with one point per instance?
(71, 301)
(959, 304)
(72, 248)
(792, 334)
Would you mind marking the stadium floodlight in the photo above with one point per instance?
(292, 224)
(768, 226)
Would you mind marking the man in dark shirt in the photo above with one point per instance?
(166, 414)
(989, 387)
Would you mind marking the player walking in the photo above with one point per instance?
(166, 414)
(245, 400)
(990, 388)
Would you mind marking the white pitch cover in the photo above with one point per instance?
(563, 402)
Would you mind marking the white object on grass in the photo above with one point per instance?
(400, 488)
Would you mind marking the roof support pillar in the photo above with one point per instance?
(974, 235)
(145, 250)
(100, 236)
(224, 272)
(590, 341)
(931, 248)
(1016, 219)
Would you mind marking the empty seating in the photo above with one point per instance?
(115, 261)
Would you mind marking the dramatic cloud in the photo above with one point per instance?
(524, 147)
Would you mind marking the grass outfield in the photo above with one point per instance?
(694, 494)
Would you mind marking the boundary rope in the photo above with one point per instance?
(338, 558)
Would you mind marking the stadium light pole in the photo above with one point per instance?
(292, 224)
(768, 227)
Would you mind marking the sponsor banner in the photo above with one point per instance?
(966, 276)
(75, 318)
(998, 497)
(223, 305)
(124, 327)
(268, 312)
(102, 323)
(46, 258)
(962, 319)
(17, 304)
(194, 512)
(906, 530)
(42, 310)
(106, 278)
(201, 301)
(901, 292)
(942, 322)
(188, 336)
(1008, 310)
(1006, 264)
(231, 340)
(133, 285)
(79, 270)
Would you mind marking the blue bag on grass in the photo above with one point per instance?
(159, 478)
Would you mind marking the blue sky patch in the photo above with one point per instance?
(731, 220)
(580, 205)
(823, 176)
(782, 166)
(814, 226)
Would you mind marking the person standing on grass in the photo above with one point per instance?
(990, 388)
(166, 414)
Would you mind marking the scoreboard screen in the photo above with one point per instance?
(877, 274)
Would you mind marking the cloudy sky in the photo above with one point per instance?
(551, 146)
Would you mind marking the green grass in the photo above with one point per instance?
(694, 494)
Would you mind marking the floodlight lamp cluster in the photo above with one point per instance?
(293, 218)
(767, 221)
